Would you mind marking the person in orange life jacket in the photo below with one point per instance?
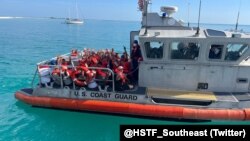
(74, 55)
(103, 75)
(126, 65)
(58, 60)
(56, 71)
(89, 79)
(90, 76)
(64, 62)
(135, 58)
(124, 56)
(56, 76)
(66, 75)
(121, 80)
(82, 68)
(69, 62)
(83, 62)
(117, 57)
(115, 65)
(98, 57)
(93, 61)
(104, 62)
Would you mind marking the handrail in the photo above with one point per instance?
(113, 75)
(93, 68)
(40, 63)
(32, 83)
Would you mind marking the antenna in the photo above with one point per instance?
(146, 2)
(237, 22)
(188, 12)
(151, 4)
(143, 6)
(146, 8)
(198, 28)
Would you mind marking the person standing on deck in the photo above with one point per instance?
(135, 58)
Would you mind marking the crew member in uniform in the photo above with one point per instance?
(135, 58)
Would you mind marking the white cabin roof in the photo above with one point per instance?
(187, 32)
(159, 26)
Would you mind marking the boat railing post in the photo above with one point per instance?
(60, 68)
(113, 76)
(113, 80)
(112, 73)
(74, 85)
(40, 81)
(33, 80)
(73, 66)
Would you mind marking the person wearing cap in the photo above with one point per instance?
(135, 58)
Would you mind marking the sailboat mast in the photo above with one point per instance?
(69, 14)
(77, 16)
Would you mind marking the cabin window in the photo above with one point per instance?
(235, 51)
(154, 50)
(215, 51)
(182, 50)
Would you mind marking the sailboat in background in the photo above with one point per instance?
(76, 20)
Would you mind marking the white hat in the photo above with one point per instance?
(120, 67)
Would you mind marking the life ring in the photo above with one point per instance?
(77, 81)
(80, 83)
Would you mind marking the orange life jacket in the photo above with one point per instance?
(76, 80)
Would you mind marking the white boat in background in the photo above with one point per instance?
(73, 21)
(76, 20)
(8, 17)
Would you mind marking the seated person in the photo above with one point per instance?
(90, 79)
(56, 76)
(79, 77)
(44, 72)
(66, 73)
(121, 80)
(194, 50)
(215, 52)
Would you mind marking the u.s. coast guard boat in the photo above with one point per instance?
(184, 73)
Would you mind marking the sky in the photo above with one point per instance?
(213, 11)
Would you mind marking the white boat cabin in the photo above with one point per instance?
(176, 57)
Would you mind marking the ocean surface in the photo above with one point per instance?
(24, 42)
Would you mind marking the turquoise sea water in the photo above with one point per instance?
(24, 42)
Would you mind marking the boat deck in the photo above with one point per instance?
(177, 94)
(198, 95)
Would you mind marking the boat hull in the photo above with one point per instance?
(150, 110)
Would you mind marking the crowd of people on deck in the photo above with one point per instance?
(90, 68)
